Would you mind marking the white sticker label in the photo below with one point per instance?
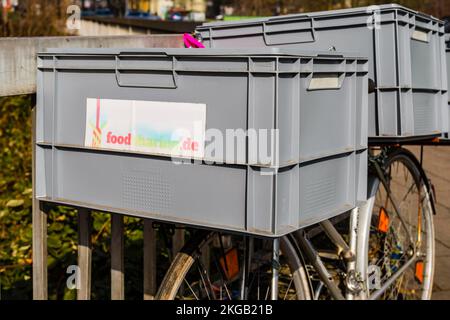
(420, 35)
(324, 82)
(161, 128)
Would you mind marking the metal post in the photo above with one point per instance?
(40, 291)
(275, 268)
(177, 241)
(206, 258)
(117, 258)
(351, 265)
(149, 260)
(245, 268)
(84, 254)
(177, 245)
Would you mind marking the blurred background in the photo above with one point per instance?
(48, 17)
(25, 18)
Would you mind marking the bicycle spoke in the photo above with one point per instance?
(206, 280)
(407, 193)
(267, 293)
(190, 288)
(288, 288)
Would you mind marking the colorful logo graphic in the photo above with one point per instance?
(164, 128)
(97, 131)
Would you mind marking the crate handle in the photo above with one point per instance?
(153, 54)
(172, 73)
(325, 81)
(420, 35)
(271, 42)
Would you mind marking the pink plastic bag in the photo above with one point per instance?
(191, 42)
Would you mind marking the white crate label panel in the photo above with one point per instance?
(420, 36)
(161, 128)
(319, 82)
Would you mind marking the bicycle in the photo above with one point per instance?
(384, 249)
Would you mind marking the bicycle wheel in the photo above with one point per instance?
(400, 249)
(190, 278)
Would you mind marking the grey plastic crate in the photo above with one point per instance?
(447, 55)
(242, 89)
(405, 51)
(259, 88)
(362, 163)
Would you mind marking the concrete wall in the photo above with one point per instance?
(18, 61)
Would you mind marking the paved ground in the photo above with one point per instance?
(437, 164)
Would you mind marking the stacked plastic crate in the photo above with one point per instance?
(405, 50)
(447, 54)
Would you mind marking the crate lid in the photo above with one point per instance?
(207, 52)
(333, 13)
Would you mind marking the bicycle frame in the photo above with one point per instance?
(357, 264)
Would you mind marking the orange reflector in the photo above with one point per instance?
(383, 221)
(419, 271)
(231, 268)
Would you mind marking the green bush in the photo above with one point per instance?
(15, 196)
